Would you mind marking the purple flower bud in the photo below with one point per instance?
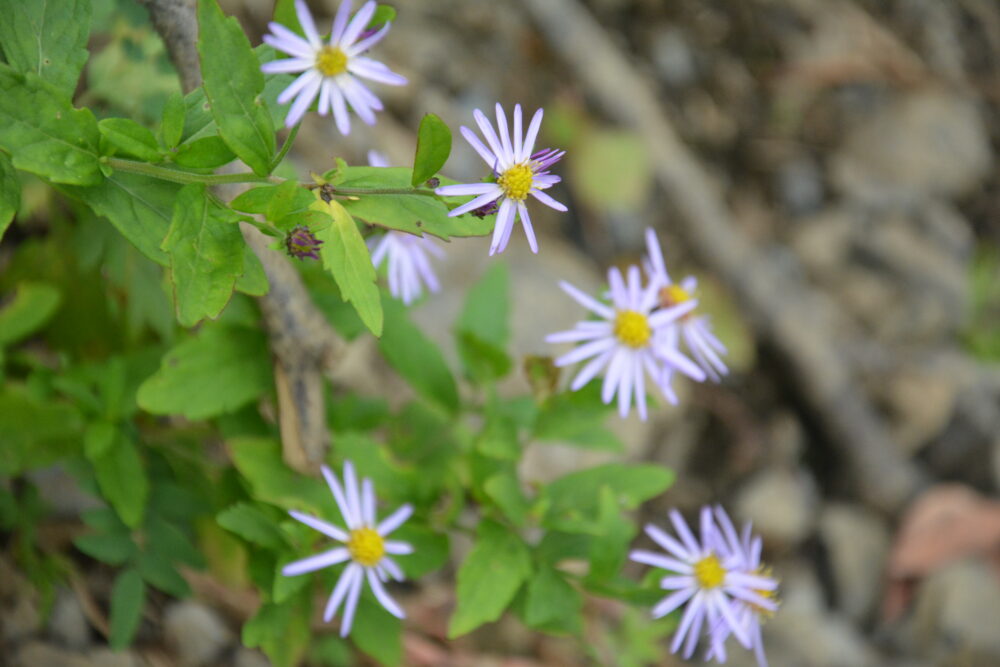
(433, 182)
(302, 243)
(485, 210)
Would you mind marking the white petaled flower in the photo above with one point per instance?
(624, 343)
(364, 545)
(695, 329)
(409, 267)
(331, 70)
(708, 578)
(747, 548)
(517, 173)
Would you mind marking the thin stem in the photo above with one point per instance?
(178, 176)
(285, 147)
(337, 190)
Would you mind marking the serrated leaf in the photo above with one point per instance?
(139, 207)
(271, 481)
(128, 596)
(233, 84)
(433, 149)
(416, 357)
(33, 305)
(46, 37)
(346, 256)
(489, 578)
(172, 124)
(204, 153)
(131, 138)
(220, 370)
(10, 193)
(573, 500)
(206, 255)
(123, 481)
(415, 214)
(252, 525)
(44, 134)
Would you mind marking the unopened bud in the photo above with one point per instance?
(302, 243)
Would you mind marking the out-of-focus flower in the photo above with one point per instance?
(517, 173)
(364, 545)
(409, 266)
(302, 243)
(624, 343)
(747, 547)
(332, 70)
(695, 329)
(709, 576)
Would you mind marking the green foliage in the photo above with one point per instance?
(489, 578)
(253, 525)
(416, 358)
(481, 330)
(122, 478)
(412, 213)
(206, 254)
(218, 371)
(573, 500)
(44, 133)
(433, 149)
(47, 38)
(982, 335)
(130, 138)
(32, 306)
(128, 596)
(281, 630)
(552, 604)
(233, 83)
(10, 193)
(377, 632)
(345, 255)
(34, 431)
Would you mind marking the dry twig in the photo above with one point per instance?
(772, 293)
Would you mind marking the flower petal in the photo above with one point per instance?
(383, 596)
(395, 520)
(324, 527)
(317, 562)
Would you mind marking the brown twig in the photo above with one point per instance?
(772, 293)
(303, 343)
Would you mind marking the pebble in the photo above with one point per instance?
(857, 544)
(782, 505)
(195, 632)
(67, 624)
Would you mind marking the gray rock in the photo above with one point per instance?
(67, 623)
(857, 542)
(800, 185)
(956, 613)
(926, 143)
(195, 632)
(672, 57)
(246, 657)
(782, 505)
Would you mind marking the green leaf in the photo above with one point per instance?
(220, 370)
(44, 134)
(10, 193)
(46, 37)
(552, 603)
(253, 280)
(277, 202)
(98, 439)
(131, 138)
(433, 149)
(430, 549)
(123, 481)
(206, 255)
(346, 256)
(577, 418)
(624, 188)
(32, 306)
(489, 578)
(169, 541)
(383, 14)
(252, 525)
(280, 630)
(172, 125)
(416, 357)
(504, 490)
(233, 84)
(482, 329)
(285, 14)
(415, 214)
(271, 481)
(204, 153)
(574, 499)
(608, 549)
(160, 573)
(110, 548)
(35, 432)
(128, 596)
(138, 206)
(377, 632)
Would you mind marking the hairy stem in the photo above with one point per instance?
(178, 176)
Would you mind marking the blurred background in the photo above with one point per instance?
(828, 171)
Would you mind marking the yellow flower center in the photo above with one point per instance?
(516, 182)
(709, 572)
(366, 546)
(632, 328)
(672, 295)
(331, 61)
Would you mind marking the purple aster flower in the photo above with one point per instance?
(331, 70)
(302, 243)
(364, 545)
(517, 173)
(747, 549)
(708, 577)
(409, 266)
(624, 343)
(694, 329)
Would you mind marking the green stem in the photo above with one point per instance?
(178, 176)
(337, 190)
(285, 147)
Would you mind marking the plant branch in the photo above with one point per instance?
(179, 176)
